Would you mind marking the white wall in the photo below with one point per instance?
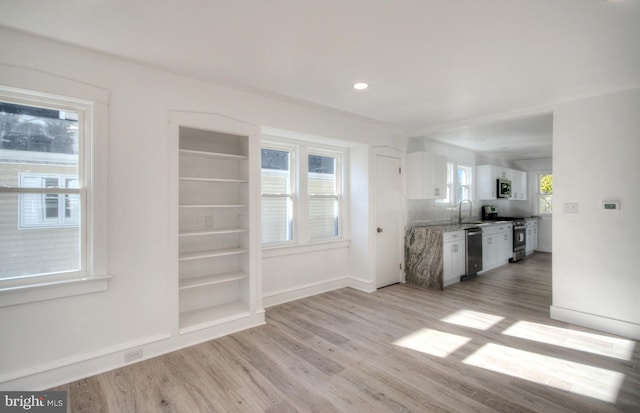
(76, 336)
(596, 145)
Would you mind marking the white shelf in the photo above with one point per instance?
(212, 232)
(211, 279)
(206, 154)
(220, 180)
(214, 206)
(209, 316)
(209, 254)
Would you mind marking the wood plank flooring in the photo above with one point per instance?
(483, 345)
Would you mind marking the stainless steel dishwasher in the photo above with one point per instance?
(473, 263)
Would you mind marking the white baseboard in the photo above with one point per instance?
(597, 322)
(362, 285)
(85, 365)
(296, 293)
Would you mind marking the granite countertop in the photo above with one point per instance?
(448, 227)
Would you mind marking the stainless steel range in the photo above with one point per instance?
(490, 213)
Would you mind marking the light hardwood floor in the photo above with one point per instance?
(483, 345)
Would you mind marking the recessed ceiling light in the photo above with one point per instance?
(360, 85)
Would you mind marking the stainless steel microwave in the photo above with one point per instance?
(504, 188)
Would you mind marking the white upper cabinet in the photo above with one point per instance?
(486, 180)
(518, 185)
(426, 176)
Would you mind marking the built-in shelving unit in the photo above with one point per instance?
(214, 232)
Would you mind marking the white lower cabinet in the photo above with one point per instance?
(453, 256)
(497, 245)
(532, 236)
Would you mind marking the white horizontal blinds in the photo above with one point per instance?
(277, 196)
(41, 193)
(324, 191)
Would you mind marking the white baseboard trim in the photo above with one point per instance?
(597, 322)
(362, 285)
(85, 365)
(296, 293)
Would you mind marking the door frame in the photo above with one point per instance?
(402, 215)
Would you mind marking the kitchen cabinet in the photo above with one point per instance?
(453, 256)
(486, 181)
(518, 185)
(426, 176)
(532, 236)
(497, 245)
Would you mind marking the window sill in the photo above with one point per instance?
(48, 290)
(281, 250)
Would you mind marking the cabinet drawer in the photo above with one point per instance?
(453, 236)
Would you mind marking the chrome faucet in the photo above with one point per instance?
(460, 210)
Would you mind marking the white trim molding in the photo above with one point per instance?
(597, 322)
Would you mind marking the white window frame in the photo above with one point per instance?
(291, 195)
(453, 184)
(458, 185)
(539, 175)
(301, 233)
(338, 196)
(92, 106)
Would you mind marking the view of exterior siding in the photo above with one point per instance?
(42, 249)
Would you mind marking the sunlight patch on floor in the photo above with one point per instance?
(433, 342)
(473, 319)
(562, 374)
(575, 340)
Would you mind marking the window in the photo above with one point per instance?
(324, 196)
(301, 193)
(461, 180)
(49, 210)
(46, 139)
(277, 194)
(545, 194)
(52, 186)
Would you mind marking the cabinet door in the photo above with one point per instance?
(426, 176)
(459, 257)
(448, 251)
(414, 176)
(439, 165)
(507, 244)
(486, 182)
(518, 185)
(487, 261)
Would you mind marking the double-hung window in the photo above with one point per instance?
(324, 195)
(459, 184)
(463, 182)
(52, 230)
(302, 198)
(43, 196)
(277, 186)
(545, 194)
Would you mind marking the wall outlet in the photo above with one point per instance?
(570, 208)
(132, 355)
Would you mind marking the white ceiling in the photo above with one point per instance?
(429, 62)
(513, 139)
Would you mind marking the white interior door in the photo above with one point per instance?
(388, 225)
